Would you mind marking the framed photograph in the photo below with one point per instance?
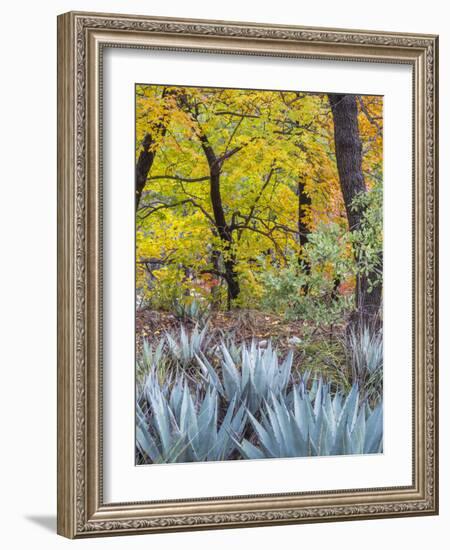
(247, 282)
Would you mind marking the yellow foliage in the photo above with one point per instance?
(270, 141)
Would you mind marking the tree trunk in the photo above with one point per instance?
(223, 229)
(304, 201)
(368, 302)
(143, 166)
(221, 225)
(349, 163)
(147, 155)
(215, 291)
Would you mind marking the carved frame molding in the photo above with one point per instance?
(81, 37)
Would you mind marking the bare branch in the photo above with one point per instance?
(370, 118)
(152, 208)
(178, 178)
(267, 234)
(261, 192)
(231, 113)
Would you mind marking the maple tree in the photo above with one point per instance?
(232, 185)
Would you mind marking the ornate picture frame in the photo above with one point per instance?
(82, 38)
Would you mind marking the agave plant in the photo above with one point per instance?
(324, 426)
(152, 382)
(152, 360)
(251, 382)
(184, 347)
(193, 311)
(176, 426)
(229, 341)
(365, 348)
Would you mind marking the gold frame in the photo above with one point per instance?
(81, 37)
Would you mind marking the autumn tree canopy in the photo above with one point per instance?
(234, 187)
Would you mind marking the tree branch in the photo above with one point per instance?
(231, 113)
(369, 117)
(268, 235)
(220, 160)
(152, 209)
(179, 178)
(261, 191)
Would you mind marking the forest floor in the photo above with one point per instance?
(308, 342)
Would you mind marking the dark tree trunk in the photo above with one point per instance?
(147, 155)
(349, 163)
(304, 201)
(215, 293)
(369, 302)
(223, 229)
(143, 166)
(221, 226)
(348, 152)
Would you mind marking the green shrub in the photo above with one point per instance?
(310, 294)
(367, 240)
